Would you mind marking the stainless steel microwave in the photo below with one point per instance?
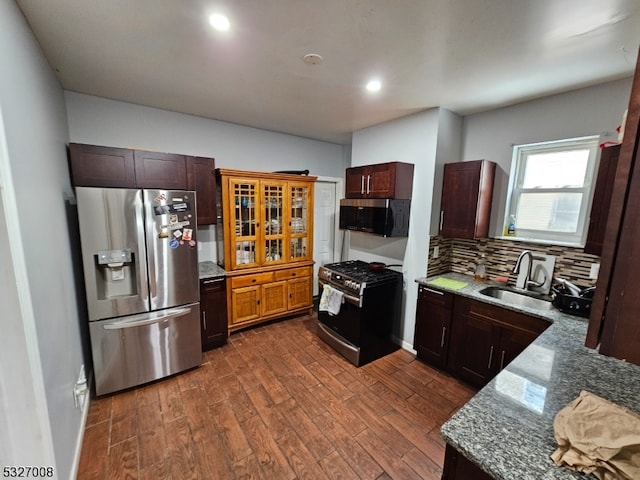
(378, 216)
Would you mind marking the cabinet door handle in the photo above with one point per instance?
(502, 360)
(433, 291)
(490, 358)
(441, 219)
(362, 185)
(204, 320)
(368, 184)
(444, 332)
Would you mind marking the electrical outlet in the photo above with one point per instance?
(595, 269)
(436, 252)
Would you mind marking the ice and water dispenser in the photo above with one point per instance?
(116, 274)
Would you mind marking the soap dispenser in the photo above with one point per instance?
(481, 269)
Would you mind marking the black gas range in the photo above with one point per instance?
(368, 322)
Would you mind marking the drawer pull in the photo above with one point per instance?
(433, 291)
(444, 331)
(490, 357)
(254, 280)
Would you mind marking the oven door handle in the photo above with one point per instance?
(348, 298)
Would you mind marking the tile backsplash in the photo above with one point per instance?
(457, 255)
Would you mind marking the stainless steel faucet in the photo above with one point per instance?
(524, 281)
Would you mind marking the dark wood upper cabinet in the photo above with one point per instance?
(201, 177)
(382, 180)
(467, 191)
(602, 199)
(615, 312)
(96, 166)
(160, 170)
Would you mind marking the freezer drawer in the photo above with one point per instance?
(137, 349)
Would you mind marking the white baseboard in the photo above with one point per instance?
(85, 413)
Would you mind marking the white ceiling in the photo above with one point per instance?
(464, 55)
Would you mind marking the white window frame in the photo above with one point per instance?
(520, 154)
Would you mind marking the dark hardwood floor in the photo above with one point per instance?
(276, 403)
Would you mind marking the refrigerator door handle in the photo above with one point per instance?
(140, 320)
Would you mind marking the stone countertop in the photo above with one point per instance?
(507, 427)
(210, 270)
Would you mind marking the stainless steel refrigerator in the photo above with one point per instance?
(139, 252)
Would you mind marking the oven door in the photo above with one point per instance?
(347, 322)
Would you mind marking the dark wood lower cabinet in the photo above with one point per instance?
(458, 467)
(471, 339)
(433, 325)
(213, 312)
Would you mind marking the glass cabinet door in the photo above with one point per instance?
(299, 210)
(273, 202)
(245, 215)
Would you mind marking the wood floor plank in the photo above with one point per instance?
(300, 459)
(149, 417)
(347, 418)
(374, 422)
(170, 398)
(392, 464)
(95, 449)
(266, 450)
(153, 447)
(123, 460)
(249, 468)
(417, 435)
(99, 411)
(316, 442)
(309, 403)
(276, 402)
(231, 432)
(388, 380)
(272, 418)
(350, 450)
(326, 378)
(124, 427)
(274, 387)
(197, 413)
(422, 465)
(180, 450)
(212, 461)
(337, 468)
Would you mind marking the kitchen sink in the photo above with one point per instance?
(513, 297)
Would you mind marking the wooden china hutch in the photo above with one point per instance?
(265, 243)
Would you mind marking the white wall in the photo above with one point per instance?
(99, 121)
(448, 150)
(491, 135)
(36, 130)
(410, 139)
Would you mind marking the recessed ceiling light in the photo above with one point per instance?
(219, 22)
(374, 85)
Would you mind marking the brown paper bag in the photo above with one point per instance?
(598, 437)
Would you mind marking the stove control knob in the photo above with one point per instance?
(356, 286)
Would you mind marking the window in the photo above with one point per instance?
(550, 190)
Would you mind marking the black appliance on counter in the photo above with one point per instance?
(379, 216)
(369, 318)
